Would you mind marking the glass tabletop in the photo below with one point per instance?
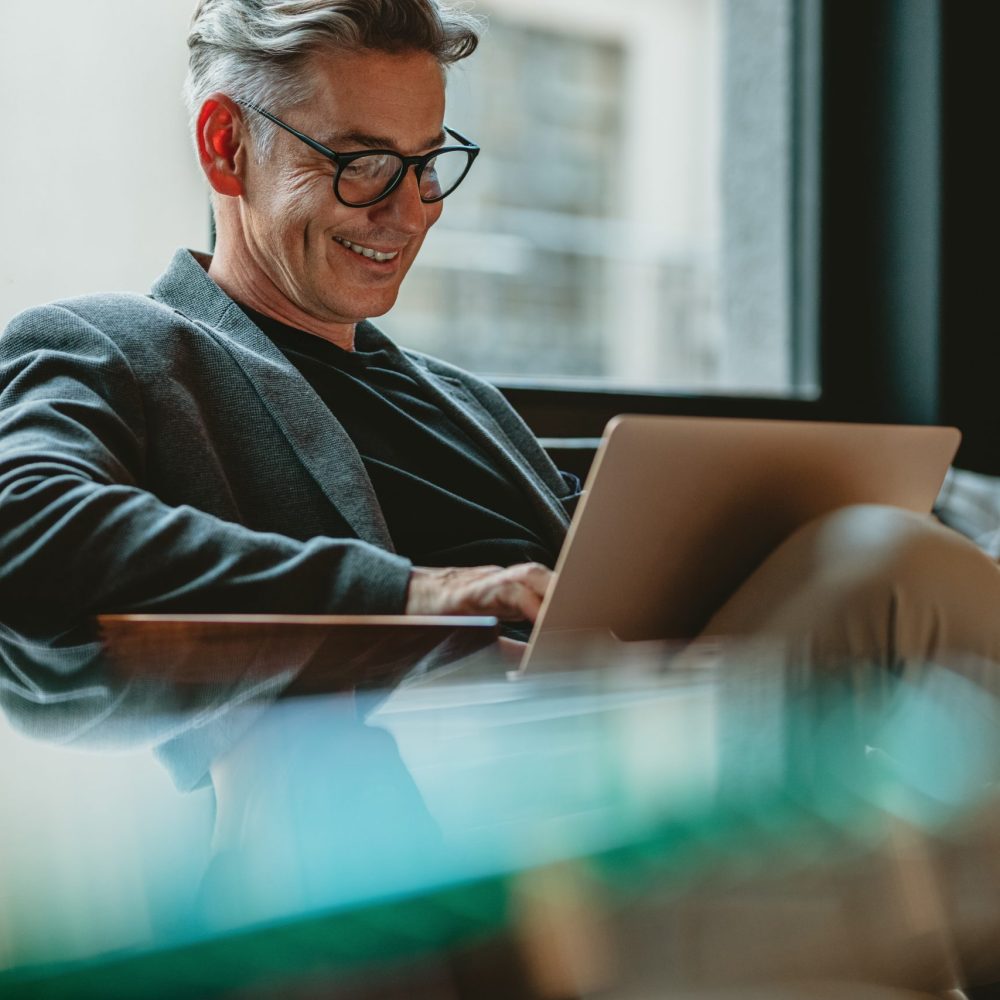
(231, 814)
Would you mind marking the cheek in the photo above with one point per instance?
(434, 213)
(276, 218)
(298, 204)
(303, 225)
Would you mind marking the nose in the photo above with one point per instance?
(403, 209)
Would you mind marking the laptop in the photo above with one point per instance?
(679, 511)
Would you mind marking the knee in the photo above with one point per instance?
(890, 585)
(888, 547)
(844, 578)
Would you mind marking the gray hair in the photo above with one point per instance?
(253, 50)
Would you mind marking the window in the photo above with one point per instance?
(630, 221)
(802, 228)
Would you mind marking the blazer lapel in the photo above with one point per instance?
(318, 439)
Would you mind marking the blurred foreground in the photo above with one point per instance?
(722, 827)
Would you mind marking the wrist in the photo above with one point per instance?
(419, 591)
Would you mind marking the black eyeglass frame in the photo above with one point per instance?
(419, 163)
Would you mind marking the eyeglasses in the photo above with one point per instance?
(369, 175)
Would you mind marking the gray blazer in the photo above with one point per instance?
(159, 452)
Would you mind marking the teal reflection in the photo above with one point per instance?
(153, 813)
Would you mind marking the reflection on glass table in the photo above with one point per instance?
(664, 827)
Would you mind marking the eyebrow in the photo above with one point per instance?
(369, 141)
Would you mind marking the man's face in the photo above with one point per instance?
(294, 226)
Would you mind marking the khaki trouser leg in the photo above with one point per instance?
(873, 584)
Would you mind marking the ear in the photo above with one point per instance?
(221, 138)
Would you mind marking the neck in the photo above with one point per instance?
(239, 276)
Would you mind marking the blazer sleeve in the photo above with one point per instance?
(78, 533)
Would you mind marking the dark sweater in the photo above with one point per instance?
(445, 502)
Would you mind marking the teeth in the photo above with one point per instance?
(366, 251)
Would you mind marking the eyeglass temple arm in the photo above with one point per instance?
(460, 137)
(318, 146)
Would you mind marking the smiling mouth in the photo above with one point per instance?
(376, 255)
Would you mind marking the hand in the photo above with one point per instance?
(513, 593)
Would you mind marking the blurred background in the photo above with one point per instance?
(629, 219)
(733, 207)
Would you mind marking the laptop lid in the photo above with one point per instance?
(679, 511)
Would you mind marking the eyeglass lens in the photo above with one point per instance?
(367, 177)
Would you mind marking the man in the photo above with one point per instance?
(245, 440)
(176, 453)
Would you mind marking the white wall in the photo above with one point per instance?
(98, 181)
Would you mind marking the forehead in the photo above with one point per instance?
(396, 95)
